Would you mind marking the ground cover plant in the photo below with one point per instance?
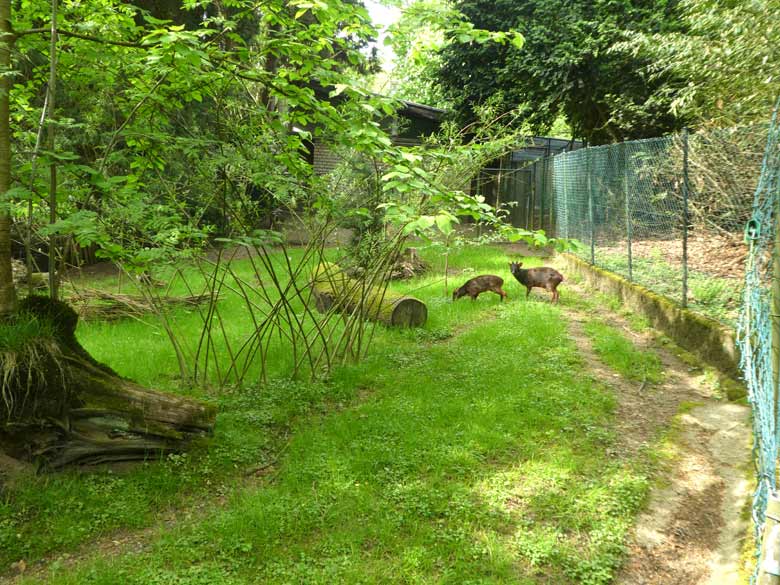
(473, 449)
(713, 296)
(619, 353)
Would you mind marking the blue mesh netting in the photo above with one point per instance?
(755, 327)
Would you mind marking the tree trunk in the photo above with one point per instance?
(52, 91)
(7, 291)
(334, 289)
(112, 420)
(74, 410)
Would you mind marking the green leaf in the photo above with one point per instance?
(444, 223)
(518, 41)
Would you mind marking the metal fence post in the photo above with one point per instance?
(626, 170)
(567, 193)
(542, 192)
(769, 567)
(685, 219)
(498, 183)
(532, 204)
(588, 153)
(549, 187)
(565, 214)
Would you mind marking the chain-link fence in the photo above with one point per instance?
(667, 213)
(522, 185)
(759, 343)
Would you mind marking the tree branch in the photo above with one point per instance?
(65, 33)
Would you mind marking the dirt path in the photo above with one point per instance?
(692, 529)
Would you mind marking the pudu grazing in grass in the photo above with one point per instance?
(544, 277)
(479, 284)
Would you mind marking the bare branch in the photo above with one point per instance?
(65, 33)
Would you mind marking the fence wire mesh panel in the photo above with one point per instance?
(667, 213)
(759, 316)
(724, 169)
(622, 202)
(543, 175)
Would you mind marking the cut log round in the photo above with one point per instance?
(333, 289)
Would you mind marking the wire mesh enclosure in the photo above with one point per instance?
(667, 213)
(758, 333)
(690, 216)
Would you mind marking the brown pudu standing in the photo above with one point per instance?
(544, 277)
(479, 284)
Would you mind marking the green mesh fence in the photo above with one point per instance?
(667, 213)
(624, 203)
(690, 216)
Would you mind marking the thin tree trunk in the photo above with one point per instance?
(52, 89)
(30, 202)
(7, 292)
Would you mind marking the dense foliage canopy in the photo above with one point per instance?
(613, 69)
(565, 66)
(724, 57)
(168, 126)
(168, 130)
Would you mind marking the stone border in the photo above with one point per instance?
(707, 339)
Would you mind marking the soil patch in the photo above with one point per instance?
(730, 253)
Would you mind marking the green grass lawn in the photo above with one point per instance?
(620, 354)
(474, 450)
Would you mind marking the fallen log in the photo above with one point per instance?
(61, 407)
(105, 306)
(333, 289)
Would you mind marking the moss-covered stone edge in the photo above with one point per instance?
(707, 339)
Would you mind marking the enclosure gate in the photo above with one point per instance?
(522, 189)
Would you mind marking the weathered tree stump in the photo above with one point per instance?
(408, 265)
(75, 410)
(333, 289)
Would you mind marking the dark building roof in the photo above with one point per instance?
(414, 110)
(407, 110)
(542, 146)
